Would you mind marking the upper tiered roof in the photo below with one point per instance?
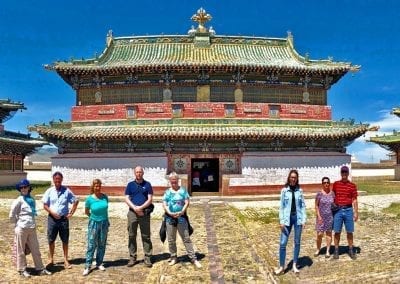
(200, 50)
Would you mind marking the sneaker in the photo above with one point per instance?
(101, 267)
(147, 261)
(295, 269)
(86, 272)
(173, 261)
(279, 271)
(352, 255)
(44, 272)
(316, 253)
(24, 274)
(132, 262)
(196, 263)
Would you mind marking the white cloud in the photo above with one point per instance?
(368, 152)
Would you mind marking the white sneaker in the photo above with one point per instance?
(25, 274)
(101, 267)
(295, 269)
(197, 264)
(86, 272)
(173, 261)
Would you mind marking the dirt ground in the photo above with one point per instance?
(234, 245)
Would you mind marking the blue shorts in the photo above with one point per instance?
(344, 215)
(57, 227)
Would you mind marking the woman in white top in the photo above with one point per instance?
(22, 214)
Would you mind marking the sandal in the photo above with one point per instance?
(317, 253)
(67, 265)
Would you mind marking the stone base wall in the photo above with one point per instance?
(261, 172)
(264, 173)
(114, 170)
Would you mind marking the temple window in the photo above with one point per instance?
(230, 110)
(131, 112)
(274, 111)
(6, 164)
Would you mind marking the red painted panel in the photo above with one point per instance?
(199, 110)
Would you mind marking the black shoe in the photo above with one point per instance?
(352, 255)
(132, 262)
(147, 261)
(336, 254)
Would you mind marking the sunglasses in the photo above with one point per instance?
(24, 186)
(344, 172)
(326, 182)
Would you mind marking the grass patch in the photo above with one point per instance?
(394, 209)
(11, 192)
(261, 215)
(379, 187)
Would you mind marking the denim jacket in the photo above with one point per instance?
(286, 206)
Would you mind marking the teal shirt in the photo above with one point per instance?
(98, 208)
(176, 199)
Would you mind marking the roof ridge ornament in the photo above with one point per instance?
(201, 17)
(109, 38)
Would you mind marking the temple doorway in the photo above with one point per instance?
(205, 175)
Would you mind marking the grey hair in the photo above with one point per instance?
(173, 175)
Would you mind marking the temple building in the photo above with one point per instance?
(391, 143)
(13, 146)
(230, 114)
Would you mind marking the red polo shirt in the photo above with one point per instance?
(345, 192)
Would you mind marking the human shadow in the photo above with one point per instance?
(185, 258)
(304, 261)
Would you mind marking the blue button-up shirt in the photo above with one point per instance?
(58, 200)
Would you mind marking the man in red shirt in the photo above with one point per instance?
(346, 198)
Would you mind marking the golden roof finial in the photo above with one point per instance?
(201, 17)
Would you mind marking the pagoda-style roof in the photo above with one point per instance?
(195, 129)
(388, 142)
(396, 111)
(8, 109)
(200, 50)
(17, 143)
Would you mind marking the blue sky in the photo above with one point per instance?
(364, 32)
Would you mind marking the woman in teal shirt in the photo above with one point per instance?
(175, 203)
(96, 207)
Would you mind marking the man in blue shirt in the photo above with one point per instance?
(56, 202)
(138, 196)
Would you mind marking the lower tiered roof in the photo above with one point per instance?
(20, 144)
(218, 129)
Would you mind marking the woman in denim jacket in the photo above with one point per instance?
(292, 213)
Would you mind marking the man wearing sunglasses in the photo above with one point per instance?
(346, 198)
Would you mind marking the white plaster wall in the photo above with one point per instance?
(112, 169)
(273, 168)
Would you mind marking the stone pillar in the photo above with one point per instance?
(397, 172)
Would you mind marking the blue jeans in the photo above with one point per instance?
(284, 240)
(344, 215)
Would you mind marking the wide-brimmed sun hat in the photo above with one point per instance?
(23, 183)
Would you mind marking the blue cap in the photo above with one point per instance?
(22, 183)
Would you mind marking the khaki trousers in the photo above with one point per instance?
(27, 237)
